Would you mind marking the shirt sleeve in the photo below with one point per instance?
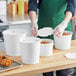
(71, 6)
(32, 5)
(75, 3)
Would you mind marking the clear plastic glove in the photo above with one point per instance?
(34, 29)
(58, 31)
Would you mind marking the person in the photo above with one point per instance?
(52, 13)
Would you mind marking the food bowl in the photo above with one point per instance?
(46, 48)
(63, 42)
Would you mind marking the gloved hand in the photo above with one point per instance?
(34, 29)
(58, 31)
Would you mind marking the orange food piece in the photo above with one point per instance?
(6, 62)
(65, 33)
(44, 42)
(2, 57)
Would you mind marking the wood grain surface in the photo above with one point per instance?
(51, 63)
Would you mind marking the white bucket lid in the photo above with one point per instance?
(46, 31)
(29, 40)
(13, 32)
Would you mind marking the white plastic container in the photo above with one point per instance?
(30, 50)
(11, 40)
(63, 42)
(46, 49)
(3, 8)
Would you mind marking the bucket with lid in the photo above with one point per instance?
(30, 50)
(11, 40)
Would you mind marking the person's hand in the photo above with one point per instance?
(58, 31)
(34, 29)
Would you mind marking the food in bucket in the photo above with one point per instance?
(4, 61)
(65, 33)
(44, 42)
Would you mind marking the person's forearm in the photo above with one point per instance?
(68, 16)
(33, 17)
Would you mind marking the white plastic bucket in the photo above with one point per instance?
(11, 40)
(47, 48)
(30, 50)
(63, 42)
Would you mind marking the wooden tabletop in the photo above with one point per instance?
(56, 62)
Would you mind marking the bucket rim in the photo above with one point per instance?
(26, 39)
(8, 30)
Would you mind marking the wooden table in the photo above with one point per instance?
(56, 62)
